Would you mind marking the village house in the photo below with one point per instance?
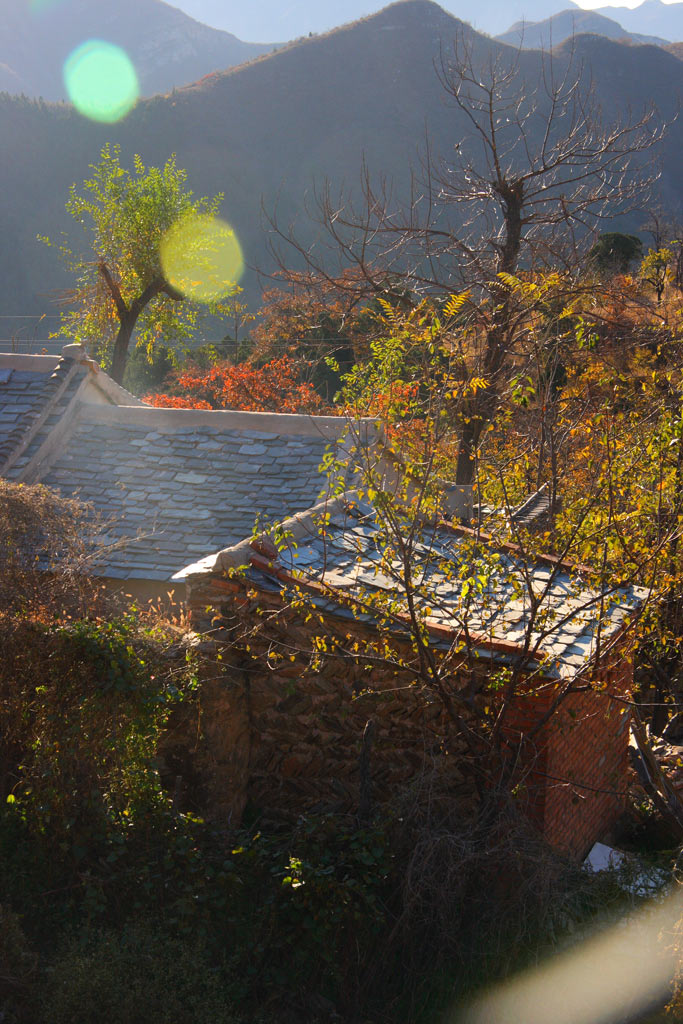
(299, 706)
(168, 484)
(288, 726)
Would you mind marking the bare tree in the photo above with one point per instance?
(531, 172)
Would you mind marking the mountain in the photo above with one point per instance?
(167, 47)
(652, 16)
(266, 134)
(276, 20)
(553, 31)
(297, 18)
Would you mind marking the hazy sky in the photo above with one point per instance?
(270, 21)
(589, 4)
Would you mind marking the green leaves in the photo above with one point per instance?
(118, 272)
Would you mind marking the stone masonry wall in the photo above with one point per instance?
(309, 721)
(289, 730)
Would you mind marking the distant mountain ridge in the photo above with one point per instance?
(269, 132)
(168, 48)
(299, 17)
(554, 30)
(652, 17)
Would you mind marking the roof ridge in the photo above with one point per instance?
(46, 449)
(20, 438)
(294, 527)
(284, 423)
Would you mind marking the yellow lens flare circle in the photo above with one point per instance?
(202, 258)
(101, 81)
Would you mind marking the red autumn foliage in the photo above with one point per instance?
(275, 387)
(398, 410)
(175, 402)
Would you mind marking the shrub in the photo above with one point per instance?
(45, 551)
(310, 906)
(82, 705)
(139, 976)
(147, 370)
(277, 386)
(18, 966)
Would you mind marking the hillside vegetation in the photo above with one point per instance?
(167, 48)
(267, 133)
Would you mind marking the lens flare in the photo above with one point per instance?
(38, 6)
(614, 976)
(101, 81)
(202, 258)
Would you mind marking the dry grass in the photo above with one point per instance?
(48, 545)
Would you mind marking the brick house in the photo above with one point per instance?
(298, 715)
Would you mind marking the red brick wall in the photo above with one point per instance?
(574, 770)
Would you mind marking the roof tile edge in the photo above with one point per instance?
(75, 352)
(295, 527)
(21, 361)
(329, 427)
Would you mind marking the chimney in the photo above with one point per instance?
(75, 352)
(458, 501)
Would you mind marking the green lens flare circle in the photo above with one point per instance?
(202, 258)
(38, 6)
(101, 81)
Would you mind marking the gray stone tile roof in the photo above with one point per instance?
(65, 383)
(533, 509)
(22, 396)
(37, 396)
(465, 587)
(175, 484)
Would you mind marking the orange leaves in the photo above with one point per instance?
(161, 401)
(274, 387)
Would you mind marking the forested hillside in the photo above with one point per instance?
(167, 47)
(268, 133)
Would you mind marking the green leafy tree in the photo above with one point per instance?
(614, 252)
(656, 269)
(122, 288)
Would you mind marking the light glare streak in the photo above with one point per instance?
(621, 972)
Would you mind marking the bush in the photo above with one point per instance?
(82, 705)
(139, 976)
(18, 966)
(310, 906)
(474, 897)
(45, 551)
(146, 371)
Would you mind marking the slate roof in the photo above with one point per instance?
(496, 615)
(534, 508)
(23, 393)
(182, 482)
(38, 394)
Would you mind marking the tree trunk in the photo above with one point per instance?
(120, 354)
(483, 403)
(128, 315)
(469, 438)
